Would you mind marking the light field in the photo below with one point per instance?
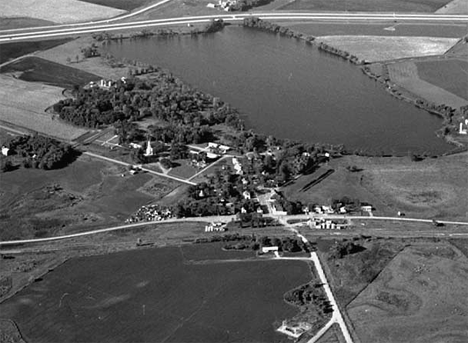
(378, 48)
(58, 11)
(24, 104)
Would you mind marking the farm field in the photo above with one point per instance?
(24, 104)
(432, 188)
(367, 6)
(377, 48)
(376, 29)
(406, 75)
(120, 4)
(35, 69)
(443, 73)
(58, 11)
(95, 65)
(17, 23)
(420, 296)
(10, 51)
(157, 295)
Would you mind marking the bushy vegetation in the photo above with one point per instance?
(39, 152)
(264, 25)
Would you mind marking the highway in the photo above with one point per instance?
(92, 27)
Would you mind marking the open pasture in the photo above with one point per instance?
(378, 48)
(449, 74)
(23, 104)
(432, 188)
(90, 193)
(367, 5)
(35, 69)
(421, 296)
(156, 295)
(57, 11)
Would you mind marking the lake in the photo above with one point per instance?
(289, 89)
(159, 295)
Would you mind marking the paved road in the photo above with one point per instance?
(337, 317)
(48, 32)
(144, 169)
(117, 228)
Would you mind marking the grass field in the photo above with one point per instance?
(90, 194)
(451, 75)
(421, 296)
(157, 295)
(13, 50)
(36, 69)
(367, 6)
(406, 75)
(351, 274)
(376, 29)
(377, 48)
(58, 11)
(433, 188)
(23, 104)
(120, 4)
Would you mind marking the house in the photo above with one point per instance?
(327, 210)
(295, 330)
(366, 208)
(135, 146)
(246, 195)
(5, 151)
(210, 5)
(266, 250)
(237, 166)
(463, 127)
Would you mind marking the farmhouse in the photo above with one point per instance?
(266, 250)
(5, 151)
(294, 330)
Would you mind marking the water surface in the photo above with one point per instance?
(289, 89)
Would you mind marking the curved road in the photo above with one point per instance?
(48, 32)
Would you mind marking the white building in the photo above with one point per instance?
(149, 149)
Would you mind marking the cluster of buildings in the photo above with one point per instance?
(225, 5)
(327, 224)
(215, 227)
(295, 330)
(150, 213)
(104, 84)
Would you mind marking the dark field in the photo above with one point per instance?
(367, 5)
(14, 50)
(451, 75)
(36, 69)
(16, 23)
(154, 295)
(127, 5)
